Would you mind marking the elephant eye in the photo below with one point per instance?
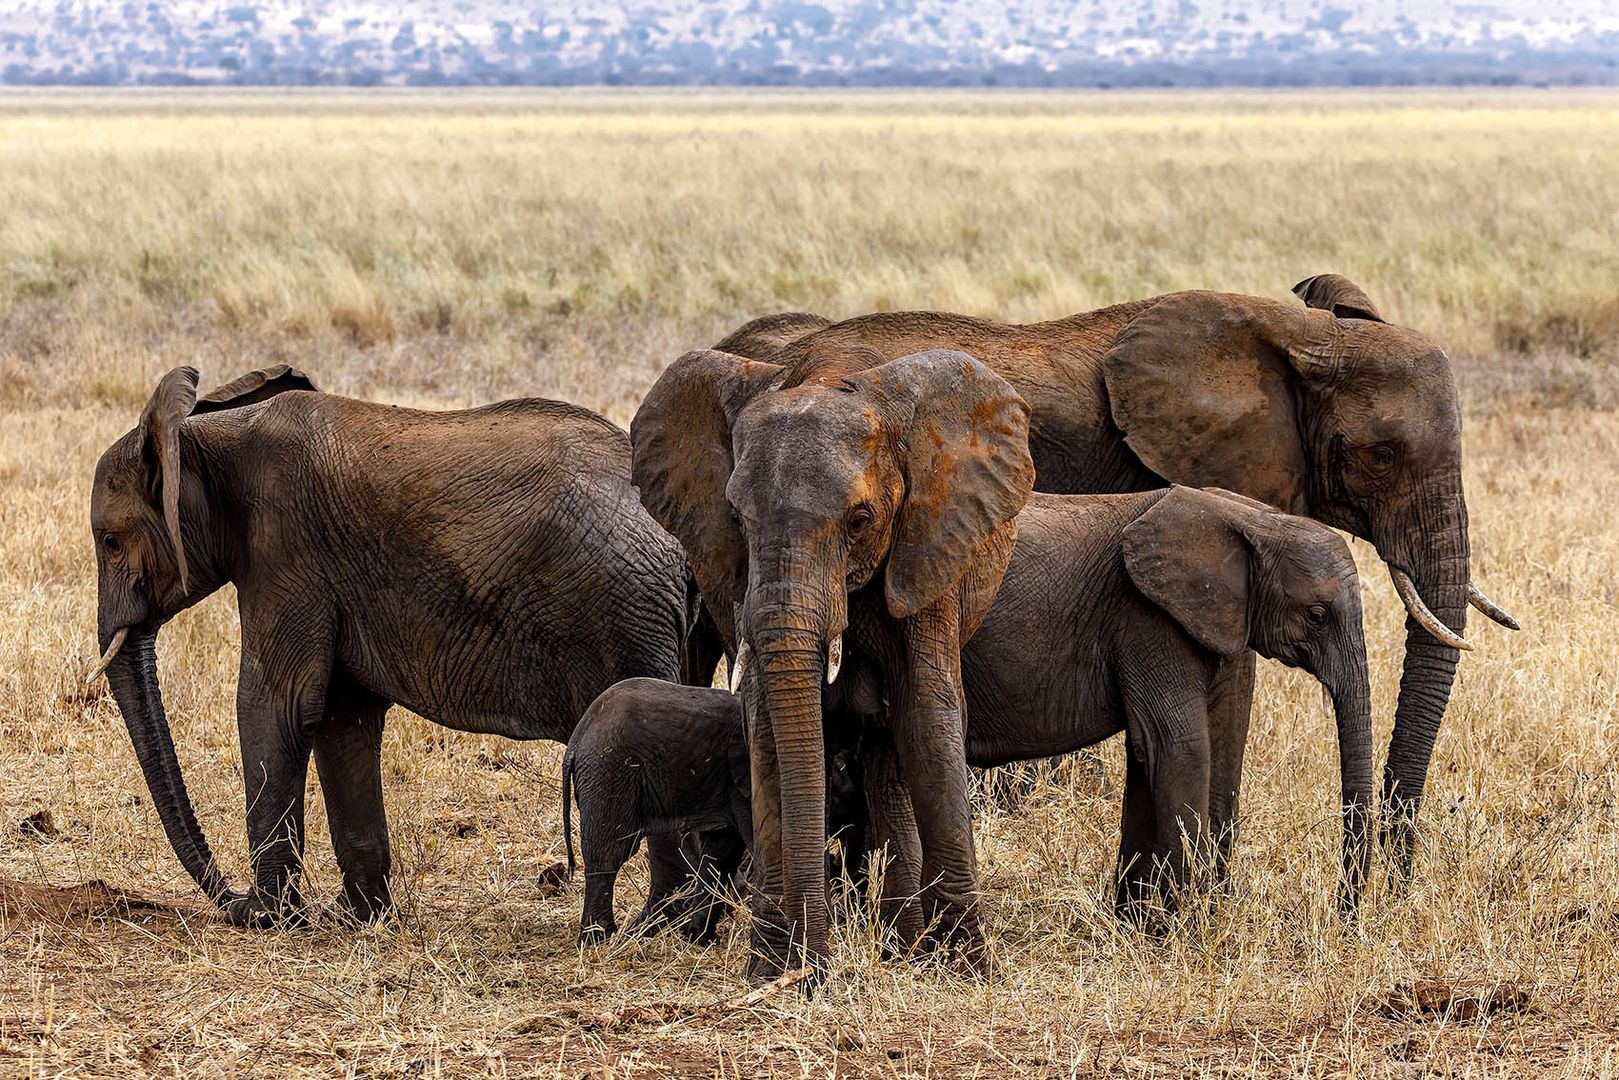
(1379, 459)
(1317, 614)
(111, 543)
(860, 519)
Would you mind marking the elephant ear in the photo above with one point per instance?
(680, 443)
(1206, 388)
(967, 468)
(165, 411)
(254, 387)
(1187, 555)
(759, 338)
(1338, 295)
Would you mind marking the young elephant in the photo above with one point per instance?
(651, 758)
(1116, 613)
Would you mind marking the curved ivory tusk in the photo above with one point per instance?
(834, 659)
(108, 656)
(743, 652)
(1419, 611)
(1490, 607)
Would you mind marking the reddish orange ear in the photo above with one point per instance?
(169, 405)
(255, 386)
(967, 470)
(681, 445)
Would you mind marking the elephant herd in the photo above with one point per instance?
(924, 540)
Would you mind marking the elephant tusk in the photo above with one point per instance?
(834, 659)
(1490, 607)
(1419, 611)
(108, 656)
(743, 652)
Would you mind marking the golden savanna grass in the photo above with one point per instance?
(445, 250)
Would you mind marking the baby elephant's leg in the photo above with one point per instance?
(669, 895)
(718, 856)
(605, 849)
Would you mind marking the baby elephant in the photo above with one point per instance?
(1130, 613)
(651, 757)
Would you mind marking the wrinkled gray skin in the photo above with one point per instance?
(1116, 614)
(650, 758)
(489, 569)
(1325, 411)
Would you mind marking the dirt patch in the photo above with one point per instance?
(22, 901)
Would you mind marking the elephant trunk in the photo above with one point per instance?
(790, 658)
(1440, 571)
(1352, 705)
(132, 673)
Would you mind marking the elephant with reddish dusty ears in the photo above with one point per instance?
(1324, 411)
(490, 569)
(847, 501)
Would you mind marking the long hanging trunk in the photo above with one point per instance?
(790, 661)
(1441, 574)
(133, 676)
(1352, 705)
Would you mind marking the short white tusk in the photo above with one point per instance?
(1419, 611)
(1489, 607)
(108, 656)
(741, 661)
(834, 659)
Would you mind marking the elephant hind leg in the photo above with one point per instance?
(604, 856)
(718, 855)
(669, 893)
(348, 759)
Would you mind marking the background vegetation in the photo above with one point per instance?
(446, 250)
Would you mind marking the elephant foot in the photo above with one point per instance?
(260, 910)
(775, 952)
(360, 907)
(955, 937)
(595, 934)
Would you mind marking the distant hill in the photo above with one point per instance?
(830, 42)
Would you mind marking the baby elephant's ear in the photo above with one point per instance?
(1187, 555)
(254, 387)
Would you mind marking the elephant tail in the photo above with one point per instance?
(567, 807)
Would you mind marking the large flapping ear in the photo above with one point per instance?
(680, 440)
(1337, 294)
(165, 411)
(1188, 556)
(967, 468)
(1205, 387)
(253, 387)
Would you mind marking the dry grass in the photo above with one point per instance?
(448, 250)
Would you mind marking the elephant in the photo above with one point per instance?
(653, 758)
(1117, 612)
(789, 492)
(490, 569)
(1324, 411)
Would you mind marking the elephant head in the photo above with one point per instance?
(791, 490)
(1237, 574)
(158, 552)
(1333, 414)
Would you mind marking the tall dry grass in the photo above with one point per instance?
(450, 249)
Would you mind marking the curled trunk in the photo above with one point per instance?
(133, 677)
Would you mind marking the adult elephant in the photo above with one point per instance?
(1325, 411)
(490, 569)
(790, 492)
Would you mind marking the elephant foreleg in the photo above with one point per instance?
(348, 760)
(669, 894)
(893, 839)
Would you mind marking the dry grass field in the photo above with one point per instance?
(446, 250)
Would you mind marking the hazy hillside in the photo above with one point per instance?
(1024, 42)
